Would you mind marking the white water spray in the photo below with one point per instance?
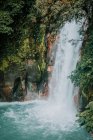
(67, 56)
(61, 88)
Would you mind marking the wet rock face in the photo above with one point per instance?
(11, 87)
(17, 92)
(1, 85)
(5, 89)
(83, 102)
(13, 93)
(50, 68)
(33, 73)
(46, 91)
(76, 101)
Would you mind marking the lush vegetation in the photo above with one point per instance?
(83, 75)
(24, 25)
(86, 117)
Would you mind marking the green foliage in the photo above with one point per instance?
(9, 10)
(34, 73)
(5, 21)
(86, 117)
(17, 59)
(24, 25)
(83, 75)
(15, 6)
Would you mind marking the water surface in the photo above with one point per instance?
(27, 121)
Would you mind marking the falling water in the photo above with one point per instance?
(61, 88)
(54, 119)
(67, 56)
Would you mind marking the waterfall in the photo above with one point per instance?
(61, 89)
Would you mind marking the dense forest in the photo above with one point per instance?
(26, 29)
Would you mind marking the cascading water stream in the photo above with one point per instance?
(67, 55)
(54, 119)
